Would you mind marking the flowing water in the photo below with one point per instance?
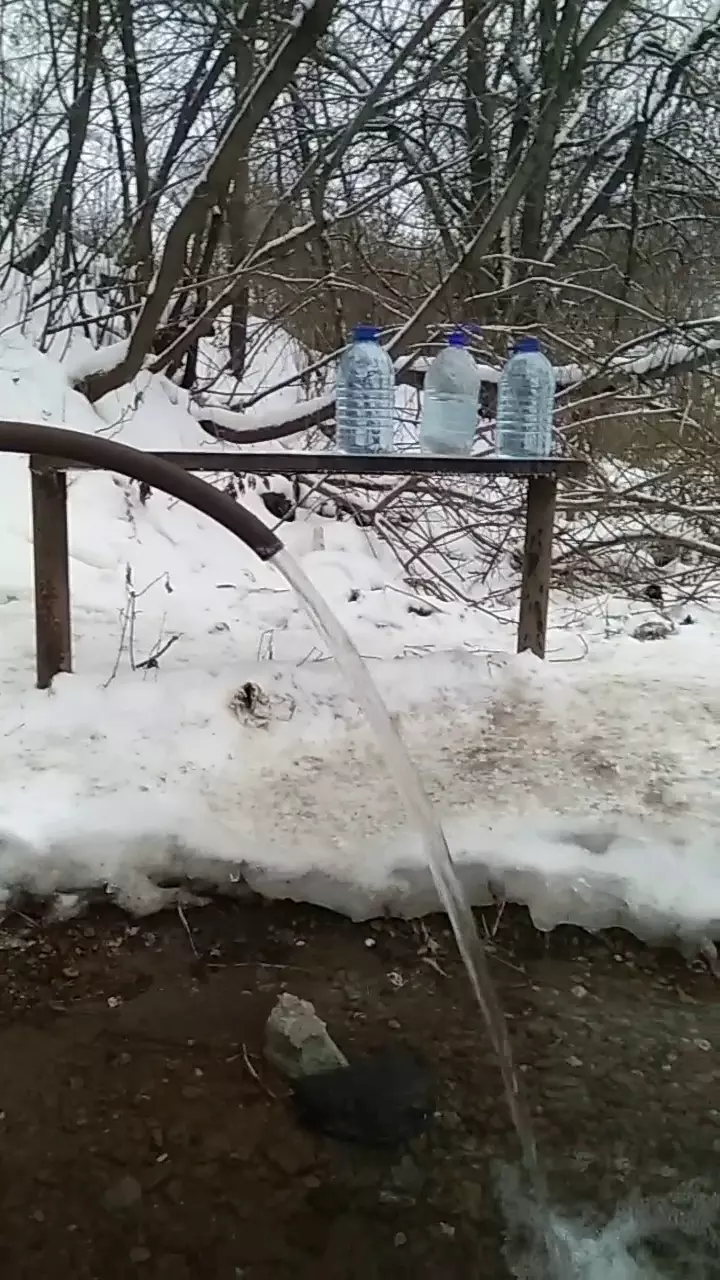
(552, 1248)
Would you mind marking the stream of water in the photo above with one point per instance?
(561, 1250)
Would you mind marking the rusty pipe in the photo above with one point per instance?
(68, 447)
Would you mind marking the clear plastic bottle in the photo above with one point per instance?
(526, 400)
(365, 395)
(450, 400)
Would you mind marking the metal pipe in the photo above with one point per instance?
(108, 455)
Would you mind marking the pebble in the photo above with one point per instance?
(399, 1239)
(407, 1177)
(174, 1190)
(140, 1254)
(471, 1200)
(123, 1194)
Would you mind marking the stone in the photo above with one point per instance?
(297, 1041)
(471, 1200)
(191, 1091)
(383, 1099)
(407, 1177)
(140, 1254)
(123, 1194)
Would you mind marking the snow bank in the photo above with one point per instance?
(583, 787)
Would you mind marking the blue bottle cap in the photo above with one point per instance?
(458, 338)
(526, 344)
(366, 333)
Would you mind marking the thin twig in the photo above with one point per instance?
(156, 655)
(187, 929)
(251, 1069)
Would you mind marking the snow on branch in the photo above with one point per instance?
(254, 427)
(660, 355)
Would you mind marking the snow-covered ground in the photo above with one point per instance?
(584, 786)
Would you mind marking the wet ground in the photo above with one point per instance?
(143, 1134)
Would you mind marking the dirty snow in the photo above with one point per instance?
(583, 786)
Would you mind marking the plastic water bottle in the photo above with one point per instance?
(450, 400)
(365, 395)
(526, 399)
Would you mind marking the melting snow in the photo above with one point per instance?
(584, 786)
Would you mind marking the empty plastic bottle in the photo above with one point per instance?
(526, 399)
(365, 395)
(450, 400)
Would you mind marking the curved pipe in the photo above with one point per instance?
(107, 455)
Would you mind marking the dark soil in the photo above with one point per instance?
(143, 1134)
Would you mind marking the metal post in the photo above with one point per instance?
(53, 641)
(535, 588)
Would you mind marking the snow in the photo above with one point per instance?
(300, 11)
(584, 786)
(281, 415)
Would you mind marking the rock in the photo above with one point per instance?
(652, 631)
(191, 1091)
(380, 1100)
(175, 1190)
(297, 1042)
(407, 1177)
(123, 1194)
(140, 1254)
(471, 1200)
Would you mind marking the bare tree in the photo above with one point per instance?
(547, 167)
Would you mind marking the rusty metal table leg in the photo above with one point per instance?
(53, 643)
(535, 589)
